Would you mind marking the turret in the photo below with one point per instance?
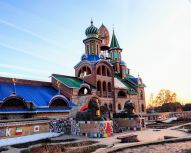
(92, 42)
(115, 53)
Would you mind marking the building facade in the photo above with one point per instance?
(100, 73)
(103, 74)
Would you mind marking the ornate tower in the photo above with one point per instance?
(115, 53)
(92, 42)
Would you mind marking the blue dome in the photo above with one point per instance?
(93, 58)
(91, 30)
(122, 63)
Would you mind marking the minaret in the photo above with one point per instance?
(92, 42)
(115, 52)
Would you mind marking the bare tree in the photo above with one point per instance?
(164, 96)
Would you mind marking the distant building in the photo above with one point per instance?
(100, 73)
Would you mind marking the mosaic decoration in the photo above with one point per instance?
(93, 129)
(61, 126)
(124, 124)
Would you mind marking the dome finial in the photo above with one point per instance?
(113, 28)
(92, 21)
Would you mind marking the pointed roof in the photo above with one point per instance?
(114, 42)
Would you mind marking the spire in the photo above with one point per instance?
(92, 22)
(114, 42)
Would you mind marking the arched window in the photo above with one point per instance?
(104, 89)
(110, 107)
(98, 88)
(99, 71)
(109, 87)
(85, 70)
(122, 94)
(141, 95)
(104, 86)
(108, 72)
(103, 70)
(119, 106)
(59, 102)
(88, 49)
(14, 103)
(143, 108)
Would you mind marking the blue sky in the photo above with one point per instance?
(41, 37)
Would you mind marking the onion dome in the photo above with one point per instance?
(103, 34)
(91, 30)
(122, 63)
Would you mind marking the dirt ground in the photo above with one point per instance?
(180, 147)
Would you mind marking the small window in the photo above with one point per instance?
(110, 106)
(97, 49)
(122, 94)
(116, 56)
(88, 49)
(141, 95)
(98, 86)
(123, 71)
(119, 106)
(109, 87)
(108, 73)
(143, 108)
(105, 105)
(92, 48)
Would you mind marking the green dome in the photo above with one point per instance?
(91, 30)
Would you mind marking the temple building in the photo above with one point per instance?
(100, 73)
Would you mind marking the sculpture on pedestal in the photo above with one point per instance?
(94, 112)
(127, 112)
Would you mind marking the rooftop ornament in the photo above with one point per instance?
(14, 83)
